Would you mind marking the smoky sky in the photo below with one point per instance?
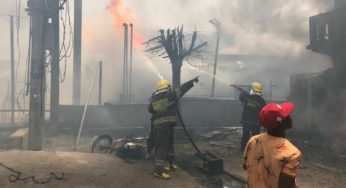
(261, 27)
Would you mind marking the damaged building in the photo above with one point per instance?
(321, 96)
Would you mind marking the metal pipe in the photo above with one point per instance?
(84, 111)
(131, 48)
(124, 66)
(127, 64)
(100, 83)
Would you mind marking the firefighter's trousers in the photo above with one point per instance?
(164, 145)
(248, 131)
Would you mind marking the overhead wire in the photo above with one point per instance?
(28, 60)
(66, 49)
(21, 93)
(18, 13)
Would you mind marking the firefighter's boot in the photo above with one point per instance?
(162, 175)
(170, 167)
(159, 171)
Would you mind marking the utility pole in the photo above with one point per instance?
(55, 69)
(100, 83)
(270, 90)
(37, 11)
(12, 70)
(217, 25)
(271, 85)
(77, 52)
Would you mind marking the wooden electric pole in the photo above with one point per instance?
(12, 70)
(37, 11)
(77, 52)
(55, 68)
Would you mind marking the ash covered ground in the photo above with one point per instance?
(321, 165)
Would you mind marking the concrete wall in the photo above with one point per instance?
(197, 112)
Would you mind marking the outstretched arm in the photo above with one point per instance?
(183, 89)
(243, 96)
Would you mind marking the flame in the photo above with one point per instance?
(86, 36)
(122, 13)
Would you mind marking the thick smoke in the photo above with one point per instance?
(268, 27)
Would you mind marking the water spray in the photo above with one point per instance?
(209, 74)
(152, 66)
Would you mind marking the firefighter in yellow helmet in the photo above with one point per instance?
(252, 105)
(163, 107)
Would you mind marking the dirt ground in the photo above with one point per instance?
(84, 170)
(321, 167)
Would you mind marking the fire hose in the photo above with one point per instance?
(240, 179)
(186, 132)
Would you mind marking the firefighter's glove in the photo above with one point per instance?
(195, 80)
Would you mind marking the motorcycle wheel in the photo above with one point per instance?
(102, 144)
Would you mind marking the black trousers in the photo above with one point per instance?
(164, 143)
(171, 152)
(248, 131)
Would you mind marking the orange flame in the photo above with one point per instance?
(122, 13)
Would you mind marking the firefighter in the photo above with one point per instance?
(269, 158)
(163, 107)
(252, 105)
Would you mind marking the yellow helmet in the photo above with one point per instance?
(256, 87)
(163, 84)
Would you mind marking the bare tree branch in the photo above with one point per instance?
(172, 45)
(186, 53)
(152, 40)
(154, 48)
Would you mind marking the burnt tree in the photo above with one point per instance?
(172, 45)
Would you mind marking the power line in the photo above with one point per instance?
(67, 49)
(18, 28)
(28, 60)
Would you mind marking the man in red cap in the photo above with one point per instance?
(269, 158)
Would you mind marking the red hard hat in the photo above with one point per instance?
(272, 114)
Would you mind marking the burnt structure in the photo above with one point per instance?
(318, 95)
(327, 36)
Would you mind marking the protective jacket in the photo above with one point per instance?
(163, 103)
(252, 106)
